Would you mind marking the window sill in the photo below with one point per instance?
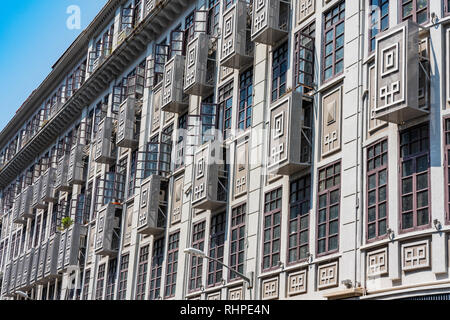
(331, 83)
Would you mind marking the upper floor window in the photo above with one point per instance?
(279, 71)
(447, 165)
(100, 282)
(172, 264)
(87, 279)
(272, 229)
(416, 10)
(245, 99)
(198, 242)
(377, 174)
(300, 194)
(328, 208)
(415, 178)
(304, 58)
(237, 240)
(226, 107)
(213, 16)
(333, 56)
(142, 273)
(111, 280)
(216, 248)
(379, 19)
(156, 269)
(123, 277)
(446, 7)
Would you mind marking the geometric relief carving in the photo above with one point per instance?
(327, 275)
(305, 8)
(270, 289)
(331, 122)
(240, 173)
(377, 263)
(415, 255)
(156, 110)
(177, 200)
(236, 294)
(213, 296)
(397, 73)
(296, 283)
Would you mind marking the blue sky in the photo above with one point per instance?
(33, 35)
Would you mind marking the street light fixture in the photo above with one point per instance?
(23, 295)
(200, 254)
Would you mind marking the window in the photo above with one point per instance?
(198, 242)
(110, 285)
(299, 219)
(272, 229)
(416, 10)
(377, 175)
(228, 3)
(226, 107)
(123, 276)
(415, 171)
(142, 273)
(447, 164)
(304, 58)
(216, 249)
(328, 209)
(100, 282)
(333, 57)
(379, 19)
(156, 269)
(87, 278)
(245, 99)
(237, 240)
(132, 176)
(172, 265)
(446, 7)
(213, 16)
(279, 71)
(209, 120)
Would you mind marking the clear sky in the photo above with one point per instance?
(33, 35)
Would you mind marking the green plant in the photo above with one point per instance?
(66, 222)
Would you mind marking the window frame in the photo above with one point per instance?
(100, 283)
(307, 184)
(225, 95)
(308, 31)
(446, 148)
(217, 233)
(327, 192)
(376, 171)
(413, 12)
(111, 279)
(377, 23)
(87, 279)
(141, 274)
(333, 27)
(271, 213)
(174, 240)
(237, 223)
(156, 269)
(414, 157)
(196, 263)
(123, 277)
(280, 56)
(244, 107)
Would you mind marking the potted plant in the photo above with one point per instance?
(66, 222)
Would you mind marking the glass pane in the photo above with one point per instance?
(422, 164)
(407, 185)
(334, 197)
(407, 203)
(333, 243)
(407, 168)
(382, 194)
(382, 178)
(407, 220)
(422, 181)
(334, 212)
(371, 231)
(333, 227)
(372, 181)
(422, 217)
(372, 198)
(382, 210)
(422, 199)
(382, 229)
(372, 214)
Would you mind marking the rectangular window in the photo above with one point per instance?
(237, 240)
(333, 55)
(123, 276)
(446, 7)
(142, 273)
(299, 219)
(226, 107)
(100, 282)
(447, 165)
(416, 10)
(245, 99)
(328, 208)
(304, 58)
(213, 16)
(110, 285)
(172, 265)
(415, 178)
(279, 71)
(377, 186)
(272, 229)
(156, 269)
(198, 242)
(87, 279)
(216, 249)
(378, 20)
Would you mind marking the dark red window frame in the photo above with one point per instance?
(172, 264)
(272, 229)
(196, 270)
(87, 278)
(216, 248)
(226, 107)
(156, 269)
(300, 205)
(446, 123)
(377, 191)
(141, 281)
(123, 277)
(304, 57)
(237, 240)
(100, 282)
(280, 58)
(334, 22)
(111, 279)
(245, 99)
(414, 13)
(414, 168)
(328, 208)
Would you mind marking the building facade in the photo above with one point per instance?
(302, 143)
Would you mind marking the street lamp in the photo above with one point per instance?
(200, 254)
